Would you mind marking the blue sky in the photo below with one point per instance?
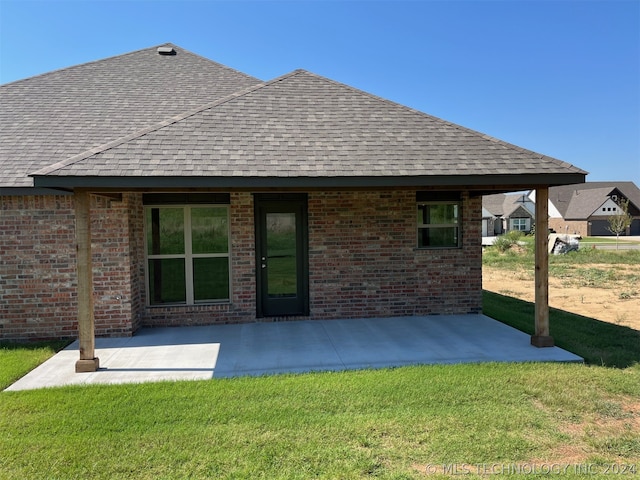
(558, 77)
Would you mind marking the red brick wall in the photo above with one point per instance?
(37, 267)
(112, 293)
(136, 258)
(38, 271)
(363, 262)
(572, 227)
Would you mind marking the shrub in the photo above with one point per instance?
(514, 235)
(503, 243)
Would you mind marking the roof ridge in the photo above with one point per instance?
(447, 122)
(157, 126)
(222, 65)
(100, 60)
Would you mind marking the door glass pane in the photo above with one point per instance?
(281, 255)
(167, 281)
(209, 230)
(210, 278)
(165, 231)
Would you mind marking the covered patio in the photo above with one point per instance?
(299, 198)
(223, 351)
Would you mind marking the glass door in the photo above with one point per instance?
(281, 255)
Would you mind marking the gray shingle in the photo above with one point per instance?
(504, 205)
(51, 117)
(580, 200)
(308, 126)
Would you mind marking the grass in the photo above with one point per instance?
(378, 423)
(391, 423)
(16, 359)
(524, 257)
(606, 240)
(587, 267)
(599, 343)
(404, 423)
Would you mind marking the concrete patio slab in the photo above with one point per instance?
(199, 353)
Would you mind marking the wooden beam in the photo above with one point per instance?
(86, 324)
(542, 338)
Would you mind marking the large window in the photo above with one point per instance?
(187, 253)
(439, 222)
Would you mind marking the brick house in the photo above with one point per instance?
(585, 209)
(161, 188)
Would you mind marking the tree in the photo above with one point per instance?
(619, 223)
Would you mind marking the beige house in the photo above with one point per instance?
(502, 213)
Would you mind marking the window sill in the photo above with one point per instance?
(194, 305)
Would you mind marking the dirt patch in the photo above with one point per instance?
(609, 433)
(604, 292)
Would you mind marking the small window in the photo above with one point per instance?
(439, 224)
(187, 254)
(519, 224)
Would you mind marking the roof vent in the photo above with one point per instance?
(166, 50)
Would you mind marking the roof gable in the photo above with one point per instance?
(582, 200)
(494, 204)
(585, 202)
(50, 117)
(508, 205)
(304, 125)
(520, 212)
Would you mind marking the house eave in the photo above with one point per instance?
(30, 191)
(471, 182)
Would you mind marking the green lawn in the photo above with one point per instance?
(392, 423)
(405, 423)
(18, 359)
(382, 423)
(599, 343)
(524, 257)
(606, 240)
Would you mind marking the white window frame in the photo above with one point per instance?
(516, 223)
(188, 255)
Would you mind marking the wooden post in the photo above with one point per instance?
(542, 337)
(86, 327)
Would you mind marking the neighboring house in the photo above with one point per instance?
(161, 188)
(504, 212)
(585, 209)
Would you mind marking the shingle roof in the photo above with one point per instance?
(306, 126)
(503, 205)
(494, 204)
(578, 202)
(51, 117)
